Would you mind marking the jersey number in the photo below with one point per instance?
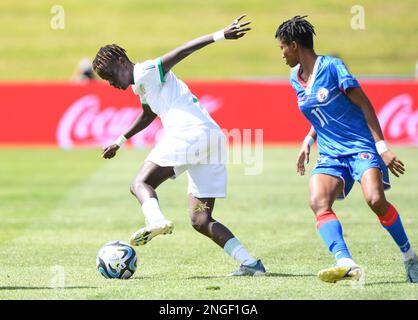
(321, 117)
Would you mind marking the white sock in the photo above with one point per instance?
(345, 262)
(152, 211)
(408, 255)
(236, 250)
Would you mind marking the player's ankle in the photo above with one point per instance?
(250, 263)
(408, 255)
(345, 262)
(152, 211)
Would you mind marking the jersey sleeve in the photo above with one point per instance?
(340, 72)
(148, 76)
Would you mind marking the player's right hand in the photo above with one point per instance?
(303, 157)
(110, 151)
(395, 165)
(235, 30)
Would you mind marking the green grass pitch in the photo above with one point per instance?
(58, 207)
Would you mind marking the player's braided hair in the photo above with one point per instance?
(297, 29)
(105, 57)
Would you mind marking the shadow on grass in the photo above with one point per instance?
(269, 274)
(43, 288)
(290, 275)
(137, 278)
(369, 284)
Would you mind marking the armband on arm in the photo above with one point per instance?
(381, 147)
(121, 140)
(309, 140)
(218, 35)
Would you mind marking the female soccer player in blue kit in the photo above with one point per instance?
(351, 147)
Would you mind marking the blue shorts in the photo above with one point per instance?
(351, 168)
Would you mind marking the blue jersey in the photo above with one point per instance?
(340, 124)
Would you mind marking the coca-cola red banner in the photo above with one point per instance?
(94, 114)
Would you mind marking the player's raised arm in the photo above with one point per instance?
(143, 121)
(358, 97)
(233, 31)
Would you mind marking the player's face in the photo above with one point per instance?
(289, 53)
(120, 77)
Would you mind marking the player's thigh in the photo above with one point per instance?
(153, 174)
(324, 189)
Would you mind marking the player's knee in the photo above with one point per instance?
(136, 186)
(376, 201)
(199, 221)
(319, 204)
(198, 225)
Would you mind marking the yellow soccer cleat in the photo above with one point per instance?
(335, 274)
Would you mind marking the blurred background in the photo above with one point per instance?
(47, 47)
(30, 49)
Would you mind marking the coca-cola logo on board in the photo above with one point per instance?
(399, 120)
(85, 123)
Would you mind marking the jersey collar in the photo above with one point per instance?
(135, 86)
(308, 85)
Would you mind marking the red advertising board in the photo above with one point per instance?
(94, 114)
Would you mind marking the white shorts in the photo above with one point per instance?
(205, 180)
(200, 146)
(202, 154)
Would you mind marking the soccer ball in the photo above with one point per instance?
(116, 260)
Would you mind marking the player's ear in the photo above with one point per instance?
(122, 61)
(294, 45)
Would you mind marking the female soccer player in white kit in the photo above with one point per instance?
(192, 142)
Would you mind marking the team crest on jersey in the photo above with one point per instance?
(366, 156)
(141, 89)
(322, 160)
(322, 94)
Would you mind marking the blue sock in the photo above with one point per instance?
(391, 221)
(331, 233)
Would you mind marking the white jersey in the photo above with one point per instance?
(170, 98)
(191, 136)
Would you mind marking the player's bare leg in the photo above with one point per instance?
(372, 187)
(324, 189)
(373, 191)
(149, 177)
(200, 210)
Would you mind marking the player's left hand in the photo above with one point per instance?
(303, 158)
(393, 163)
(236, 29)
(110, 151)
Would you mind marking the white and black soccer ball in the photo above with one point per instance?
(116, 260)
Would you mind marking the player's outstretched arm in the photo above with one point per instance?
(359, 98)
(303, 155)
(143, 121)
(233, 31)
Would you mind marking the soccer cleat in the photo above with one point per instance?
(145, 234)
(335, 274)
(411, 267)
(255, 271)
